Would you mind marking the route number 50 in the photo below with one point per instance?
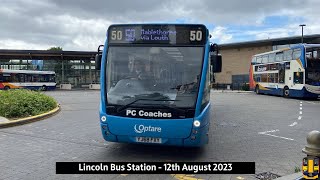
(195, 35)
(116, 35)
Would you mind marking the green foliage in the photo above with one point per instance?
(245, 87)
(55, 48)
(297, 169)
(24, 103)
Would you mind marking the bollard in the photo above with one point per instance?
(310, 164)
(313, 144)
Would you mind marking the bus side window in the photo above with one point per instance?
(21, 78)
(279, 56)
(265, 59)
(254, 60)
(35, 78)
(296, 53)
(259, 59)
(44, 77)
(28, 78)
(272, 57)
(257, 77)
(288, 55)
(6, 77)
(15, 77)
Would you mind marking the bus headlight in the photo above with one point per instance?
(103, 119)
(196, 123)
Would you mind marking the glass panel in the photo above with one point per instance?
(279, 56)
(265, 59)
(296, 53)
(298, 77)
(313, 66)
(288, 55)
(153, 72)
(272, 57)
(264, 78)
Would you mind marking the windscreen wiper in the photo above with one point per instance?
(143, 99)
(129, 104)
(169, 107)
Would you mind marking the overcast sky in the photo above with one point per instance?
(82, 24)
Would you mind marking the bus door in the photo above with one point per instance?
(282, 73)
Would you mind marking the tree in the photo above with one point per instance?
(58, 48)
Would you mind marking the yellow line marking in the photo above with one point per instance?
(185, 177)
(124, 174)
(239, 177)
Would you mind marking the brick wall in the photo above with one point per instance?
(236, 61)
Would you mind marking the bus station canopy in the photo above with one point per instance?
(6, 54)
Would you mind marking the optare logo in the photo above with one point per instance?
(141, 129)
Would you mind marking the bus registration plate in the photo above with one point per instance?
(148, 140)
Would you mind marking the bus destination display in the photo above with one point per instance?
(157, 34)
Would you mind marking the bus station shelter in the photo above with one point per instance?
(71, 67)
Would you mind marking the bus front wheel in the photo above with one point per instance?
(286, 92)
(6, 88)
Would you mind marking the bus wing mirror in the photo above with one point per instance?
(98, 61)
(216, 62)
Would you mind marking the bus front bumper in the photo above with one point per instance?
(197, 138)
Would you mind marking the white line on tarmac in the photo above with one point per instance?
(279, 137)
(277, 130)
(300, 117)
(312, 102)
(300, 112)
(268, 131)
(300, 104)
(300, 108)
(293, 124)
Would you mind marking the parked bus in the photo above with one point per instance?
(290, 72)
(40, 80)
(155, 84)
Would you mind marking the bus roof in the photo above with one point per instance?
(284, 49)
(25, 71)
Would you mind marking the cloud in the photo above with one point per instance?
(220, 35)
(82, 24)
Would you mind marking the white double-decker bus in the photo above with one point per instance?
(290, 72)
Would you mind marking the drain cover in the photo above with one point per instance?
(266, 176)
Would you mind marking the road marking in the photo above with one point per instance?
(300, 108)
(277, 130)
(312, 103)
(269, 131)
(300, 112)
(279, 137)
(300, 117)
(300, 104)
(239, 177)
(293, 124)
(184, 177)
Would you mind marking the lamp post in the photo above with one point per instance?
(302, 25)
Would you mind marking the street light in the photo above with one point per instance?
(302, 32)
